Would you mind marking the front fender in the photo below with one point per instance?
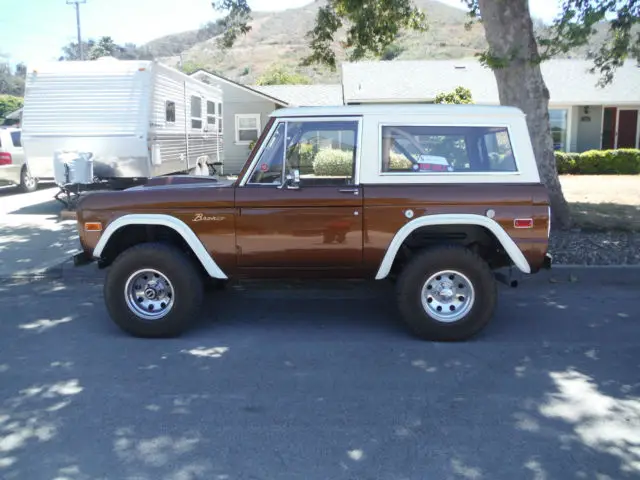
(169, 221)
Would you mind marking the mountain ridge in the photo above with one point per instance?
(279, 38)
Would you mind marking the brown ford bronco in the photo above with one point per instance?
(437, 198)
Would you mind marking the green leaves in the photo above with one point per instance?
(279, 75)
(578, 22)
(9, 104)
(371, 27)
(460, 95)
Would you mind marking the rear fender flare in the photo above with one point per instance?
(514, 252)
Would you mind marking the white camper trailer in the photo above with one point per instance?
(132, 119)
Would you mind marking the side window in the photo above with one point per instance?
(170, 112)
(211, 113)
(446, 149)
(268, 169)
(16, 138)
(196, 113)
(323, 152)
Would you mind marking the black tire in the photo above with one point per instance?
(177, 267)
(418, 271)
(27, 182)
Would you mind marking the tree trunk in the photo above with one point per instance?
(509, 32)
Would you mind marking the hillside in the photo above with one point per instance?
(279, 37)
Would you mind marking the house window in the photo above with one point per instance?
(170, 112)
(247, 127)
(211, 113)
(558, 120)
(196, 113)
(442, 149)
(219, 113)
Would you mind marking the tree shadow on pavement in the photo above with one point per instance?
(38, 245)
(295, 384)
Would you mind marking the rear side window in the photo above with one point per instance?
(432, 148)
(16, 137)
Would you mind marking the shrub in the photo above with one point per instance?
(307, 154)
(624, 161)
(566, 163)
(399, 162)
(333, 162)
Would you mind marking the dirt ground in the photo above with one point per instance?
(604, 202)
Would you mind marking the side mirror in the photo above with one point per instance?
(292, 180)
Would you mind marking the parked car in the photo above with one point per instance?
(328, 192)
(13, 168)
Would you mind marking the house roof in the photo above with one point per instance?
(305, 95)
(568, 81)
(220, 78)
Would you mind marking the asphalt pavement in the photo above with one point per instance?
(33, 238)
(322, 382)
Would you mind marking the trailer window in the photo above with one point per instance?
(196, 113)
(170, 112)
(211, 113)
(219, 117)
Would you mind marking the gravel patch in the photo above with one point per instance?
(575, 247)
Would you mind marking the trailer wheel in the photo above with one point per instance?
(153, 290)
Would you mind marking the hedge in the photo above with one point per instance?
(333, 162)
(624, 161)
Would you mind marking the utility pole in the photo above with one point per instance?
(77, 4)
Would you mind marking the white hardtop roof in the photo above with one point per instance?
(400, 109)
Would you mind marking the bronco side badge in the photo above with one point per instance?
(200, 217)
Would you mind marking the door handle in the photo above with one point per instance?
(355, 191)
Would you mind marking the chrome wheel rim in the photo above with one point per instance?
(29, 181)
(149, 294)
(447, 296)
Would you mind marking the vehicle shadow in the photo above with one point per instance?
(319, 384)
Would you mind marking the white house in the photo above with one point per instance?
(583, 116)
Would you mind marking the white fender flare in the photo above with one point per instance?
(515, 254)
(175, 224)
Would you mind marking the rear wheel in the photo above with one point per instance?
(27, 182)
(153, 290)
(446, 294)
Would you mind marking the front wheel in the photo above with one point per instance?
(446, 294)
(153, 290)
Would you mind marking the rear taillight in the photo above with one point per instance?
(5, 158)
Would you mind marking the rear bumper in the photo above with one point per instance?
(10, 173)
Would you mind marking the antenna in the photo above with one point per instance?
(77, 4)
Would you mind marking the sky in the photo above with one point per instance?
(36, 30)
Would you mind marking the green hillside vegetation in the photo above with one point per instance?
(278, 38)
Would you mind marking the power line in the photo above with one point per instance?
(77, 4)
